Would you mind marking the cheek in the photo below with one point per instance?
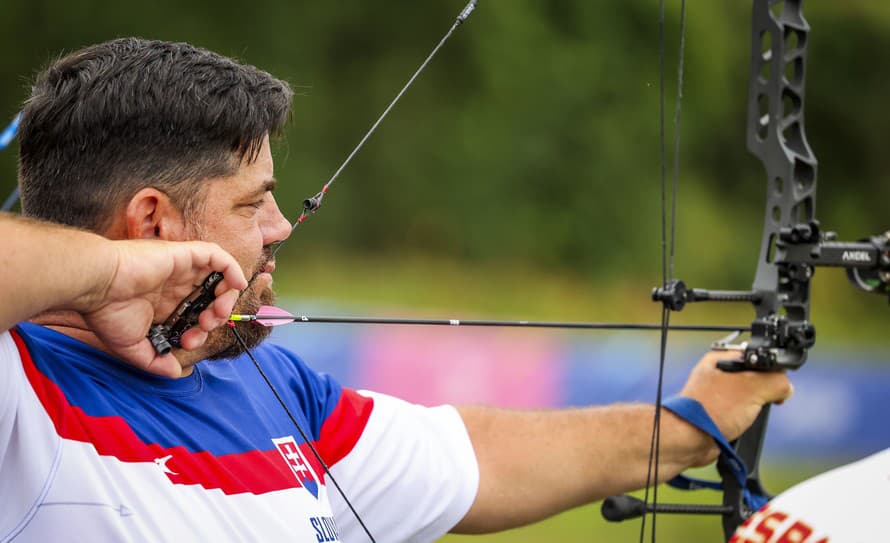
(246, 249)
(240, 236)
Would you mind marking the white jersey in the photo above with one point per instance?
(845, 505)
(92, 449)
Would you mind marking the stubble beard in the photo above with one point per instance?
(221, 343)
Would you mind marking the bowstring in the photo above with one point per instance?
(303, 434)
(667, 257)
(677, 111)
(311, 205)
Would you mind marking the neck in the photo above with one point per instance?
(73, 325)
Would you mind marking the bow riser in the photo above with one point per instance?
(777, 137)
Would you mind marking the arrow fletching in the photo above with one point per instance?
(267, 315)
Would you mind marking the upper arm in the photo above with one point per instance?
(412, 474)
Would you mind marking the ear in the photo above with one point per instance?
(151, 214)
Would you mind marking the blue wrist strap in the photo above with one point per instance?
(692, 412)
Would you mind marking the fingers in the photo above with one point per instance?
(219, 311)
(143, 356)
(216, 314)
(165, 366)
(771, 386)
(192, 339)
(223, 262)
(734, 399)
(227, 292)
(780, 387)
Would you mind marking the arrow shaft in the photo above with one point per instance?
(485, 323)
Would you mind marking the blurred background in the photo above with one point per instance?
(519, 179)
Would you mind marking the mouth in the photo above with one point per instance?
(268, 268)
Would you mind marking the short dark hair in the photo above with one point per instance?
(106, 121)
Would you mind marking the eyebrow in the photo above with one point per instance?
(267, 186)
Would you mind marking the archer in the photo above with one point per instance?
(145, 166)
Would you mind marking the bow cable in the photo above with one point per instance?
(667, 260)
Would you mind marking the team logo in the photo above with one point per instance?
(162, 463)
(298, 464)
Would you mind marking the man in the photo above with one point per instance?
(152, 144)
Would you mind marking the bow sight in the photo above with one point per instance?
(796, 253)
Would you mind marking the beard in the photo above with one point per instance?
(221, 342)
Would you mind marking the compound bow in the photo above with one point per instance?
(792, 245)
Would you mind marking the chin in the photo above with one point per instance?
(221, 343)
(225, 345)
(258, 296)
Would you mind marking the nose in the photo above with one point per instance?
(276, 227)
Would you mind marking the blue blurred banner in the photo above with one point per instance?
(8, 133)
(838, 410)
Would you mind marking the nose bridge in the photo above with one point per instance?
(276, 227)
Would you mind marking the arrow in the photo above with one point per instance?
(273, 316)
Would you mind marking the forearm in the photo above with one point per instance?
(49, 267)
(535, 464)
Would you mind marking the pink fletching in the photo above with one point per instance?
(268, 315)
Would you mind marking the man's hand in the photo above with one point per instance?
(148, 281)
(733, 400)
(119, 287)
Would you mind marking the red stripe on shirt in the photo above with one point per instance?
(256, 472)
(343, 427)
